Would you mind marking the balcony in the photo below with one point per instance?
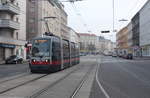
(11, 8)
(6, 23)
(11, 41)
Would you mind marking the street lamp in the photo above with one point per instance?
(113, 9)
(123, 20)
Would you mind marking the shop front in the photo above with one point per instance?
(6, 50)
(146, 50)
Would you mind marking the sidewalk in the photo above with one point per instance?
(141, 58)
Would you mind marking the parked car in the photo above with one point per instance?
(14, 59)
(114, 55)
(129, 56)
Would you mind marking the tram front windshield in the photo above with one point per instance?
(41, 48)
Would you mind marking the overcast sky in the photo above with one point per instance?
(96, 15)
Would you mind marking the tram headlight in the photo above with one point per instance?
(46, 60)
(33, 60)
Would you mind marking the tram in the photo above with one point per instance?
(51, 54)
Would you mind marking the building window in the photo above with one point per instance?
(17, 19)
(17, 35)
(17, 4)
(32, 30)
(31, 20)
(32, 10)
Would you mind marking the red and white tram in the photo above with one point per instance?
(51, 53)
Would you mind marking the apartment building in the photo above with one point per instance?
(101, 44)
(136, 35)
(122, 41)
(37, 10)
(130, 35)
(64, 21)
(145, 29)
(105, 46)
(74, 36)
(12, 28)
(130, 38)
(88, 42)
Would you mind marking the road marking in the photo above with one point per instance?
(100, 85)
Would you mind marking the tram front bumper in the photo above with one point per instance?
(49, 68)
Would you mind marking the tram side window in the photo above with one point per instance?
(72, 50)
(56, 49)
(77, 50)
(66, 49)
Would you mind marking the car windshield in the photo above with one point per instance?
(41, 47)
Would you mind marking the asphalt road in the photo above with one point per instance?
(119, 78)
(115, 78)
(10, 70)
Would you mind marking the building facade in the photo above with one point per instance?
(130, 38)
(145, 29)
(136, 35)
(122, 41)
(37, 10)
(108, 46)
(74, 36)
(130, 35)
(12, 28)
(63, 22)
(101, 44)
(88, 42)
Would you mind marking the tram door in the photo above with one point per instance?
(66, 53)
(56, 51)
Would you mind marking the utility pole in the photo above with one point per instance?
(113, 5)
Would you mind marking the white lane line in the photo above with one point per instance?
(100, 85)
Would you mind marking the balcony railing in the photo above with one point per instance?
(6, 23)
(10, 8)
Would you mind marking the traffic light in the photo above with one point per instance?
(105, 31)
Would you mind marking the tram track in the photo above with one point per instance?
(22, 80)
(3, 80)
(53, 84)
(81, 82)
(17, 82)
(80, 85)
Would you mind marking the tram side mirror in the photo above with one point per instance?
(25, 45)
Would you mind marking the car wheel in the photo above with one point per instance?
(6, 62)
(16, 62)
(20, 62)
